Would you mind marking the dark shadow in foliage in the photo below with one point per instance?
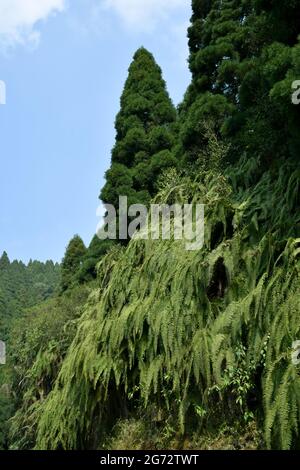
(219, 281)
(96, 250)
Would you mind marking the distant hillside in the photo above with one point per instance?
(22, 286)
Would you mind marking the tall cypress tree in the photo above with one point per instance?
(145, 134)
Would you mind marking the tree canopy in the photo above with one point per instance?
(72, 263)
(145, 134)
(243, 59)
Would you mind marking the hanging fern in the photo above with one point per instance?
(167, 322)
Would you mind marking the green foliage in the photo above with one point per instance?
(6, 410)
(238, 381)
(21, 287)
(167, 322)
(24, 286)
(220, 40)
(140, 434)
(39, 341)
(145, 128)
(193, 339)
(95, 252)
(244, 56)
(72, 263)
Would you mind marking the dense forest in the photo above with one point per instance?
(143, 344)
(22, 287)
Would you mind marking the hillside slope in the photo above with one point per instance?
(198, 336)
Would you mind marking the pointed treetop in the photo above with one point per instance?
(145, 128)
(72, 263)
(145, 60)
(143, 52)
(145, 77)
(4, 261)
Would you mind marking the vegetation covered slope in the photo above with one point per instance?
(188, 341)
(191, 332)
(21, 287)
(38, 344)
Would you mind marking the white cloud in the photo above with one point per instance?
(143, 14)
(18, 19)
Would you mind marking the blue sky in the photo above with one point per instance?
(64, 64)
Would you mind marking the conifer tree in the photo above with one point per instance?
(145, 134)
(219, 40)
(4, 261)
(242, 57)
(96, 250)
(268, 124)
(72, 263)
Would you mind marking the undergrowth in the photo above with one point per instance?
(198, 335)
